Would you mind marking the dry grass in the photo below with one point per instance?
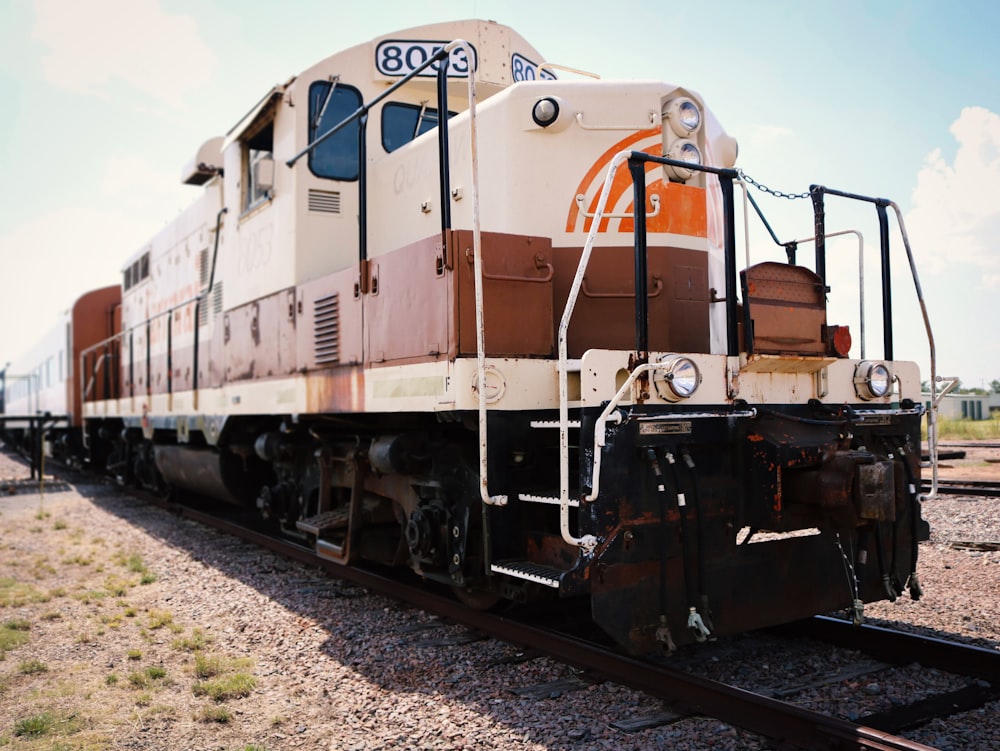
(88, 650)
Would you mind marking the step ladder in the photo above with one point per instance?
(548, 576)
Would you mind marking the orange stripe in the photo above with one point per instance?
(601, 165)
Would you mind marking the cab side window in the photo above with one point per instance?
(401, 123)
(330, 102)
(259, 165)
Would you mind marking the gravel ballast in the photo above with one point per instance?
(141, 630)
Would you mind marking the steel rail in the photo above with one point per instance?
(967, 487)
(785, 723)
(902, 647)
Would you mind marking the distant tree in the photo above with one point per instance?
(995, 386)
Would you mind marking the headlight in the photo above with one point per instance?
(682, 151)
(683, 115)
(678, 379)
(545, 112)
(872, 380)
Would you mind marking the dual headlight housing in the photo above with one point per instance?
(682, 124)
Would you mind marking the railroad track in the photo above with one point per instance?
(687, 694)
(989, 488)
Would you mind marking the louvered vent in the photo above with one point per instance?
(203, 266)
(203, 312)
(217, 298)
(324, 201)
(326, 330)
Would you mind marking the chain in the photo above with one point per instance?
(776, 193)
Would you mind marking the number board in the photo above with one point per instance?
(523, 69)
(400, 57)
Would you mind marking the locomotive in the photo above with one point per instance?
(441, 305)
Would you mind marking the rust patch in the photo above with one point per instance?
(604, 317)
(340, 389)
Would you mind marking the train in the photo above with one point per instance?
(444, 306)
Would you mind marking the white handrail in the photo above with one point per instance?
(932, 413)
(861, 273)
(587, 542)
(477, 258)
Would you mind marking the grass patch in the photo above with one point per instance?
(196, 642)
(976, 430)
(139, 680)
(47, 723)
(78, 560)
(134, 654)
(115, 586)
(232, 686)
(60, 524)
(206, 666)
(13, 634)
(159, 619)
(14, 594)
(214, 714)
(112, 621)
(32, 667)
(35, 726)
(146, 678)
(134, 563)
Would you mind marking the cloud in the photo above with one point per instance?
(765, 135)
(72, 249)
(94, 44)
(955, 217)
(134, 182)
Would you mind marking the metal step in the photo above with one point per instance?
(321, 523)
(553, 424)
(554, 500)
(533, 572)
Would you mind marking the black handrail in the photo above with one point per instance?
(817, 192)
(637, 160)
(444, 157)
(638, 171)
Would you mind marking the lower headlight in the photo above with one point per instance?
(872, 380)
(677, 379)
(682, 150)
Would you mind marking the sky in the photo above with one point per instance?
(105, 101)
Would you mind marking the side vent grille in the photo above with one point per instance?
(217, 298)
(324, 201)
(203, 266)
(326, 329)
(203, 312)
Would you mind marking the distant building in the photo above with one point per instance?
(965, 406)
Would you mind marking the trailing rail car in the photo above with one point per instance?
(41, 392)
(444, 306)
